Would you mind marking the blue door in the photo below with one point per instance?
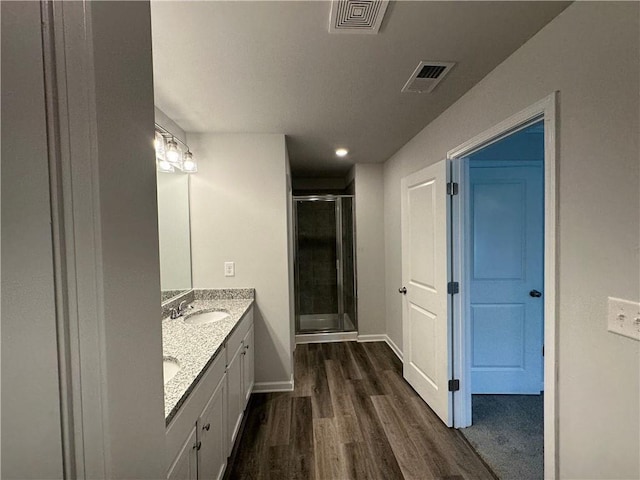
(506, 241)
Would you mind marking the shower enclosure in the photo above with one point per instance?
(325, 264)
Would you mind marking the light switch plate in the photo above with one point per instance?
(624, 318)
(229, 269)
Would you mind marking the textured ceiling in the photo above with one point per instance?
(272, 67)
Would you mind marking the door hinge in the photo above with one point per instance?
(453, 288)
(452, 188)
(454, 385)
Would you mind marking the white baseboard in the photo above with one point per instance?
(272, 387)
(326, 337)
(394, 347)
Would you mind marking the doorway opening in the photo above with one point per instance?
(502, 311)
(325, 264)
(541, 118)
(438, 355)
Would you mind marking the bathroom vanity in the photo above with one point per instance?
(207, 335)
(210, 356)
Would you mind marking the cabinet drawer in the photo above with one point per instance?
(236, 337)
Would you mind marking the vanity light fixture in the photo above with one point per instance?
(158, 144)
(169, 153)
(188, 164)
(173, 154)
(342, 152)
(161, 154)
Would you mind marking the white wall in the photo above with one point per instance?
(128, 215)
(239, 214)
(590, 53)
(369, 218)
(31, 436)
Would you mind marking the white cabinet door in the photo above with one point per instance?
(185, 466)
(247, 367)
(235, 396)
(212, 456)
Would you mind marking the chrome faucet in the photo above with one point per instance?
(179, 312)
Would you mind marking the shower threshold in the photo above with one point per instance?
(322, 323)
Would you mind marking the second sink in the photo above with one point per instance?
(206, 317)
(170, 367)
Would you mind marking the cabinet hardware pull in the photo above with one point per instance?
(197, 446)
(206, 427)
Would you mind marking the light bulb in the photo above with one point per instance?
(342, 152)
(188, 164)
(158, 143)
(173, 154)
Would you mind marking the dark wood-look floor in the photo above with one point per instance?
(351, 416)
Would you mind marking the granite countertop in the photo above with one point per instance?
(196, 346)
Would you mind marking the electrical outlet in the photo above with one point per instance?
(229, 269)
(624, 318)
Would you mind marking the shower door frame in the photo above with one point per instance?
(337, 199)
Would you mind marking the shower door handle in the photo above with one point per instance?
(403, 290)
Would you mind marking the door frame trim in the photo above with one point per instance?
(546, 110)
(73, 164)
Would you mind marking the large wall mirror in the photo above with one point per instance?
(175, 234)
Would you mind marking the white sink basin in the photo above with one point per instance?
(207, 317)
(170, 367)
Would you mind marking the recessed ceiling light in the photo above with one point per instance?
(342, 152)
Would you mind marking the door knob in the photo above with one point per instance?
(535, 294)
(403, 290)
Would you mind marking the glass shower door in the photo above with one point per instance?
(317, 262)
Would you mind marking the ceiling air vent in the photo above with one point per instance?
(357, 16)
(426, 76)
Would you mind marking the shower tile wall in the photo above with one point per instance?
(317, 255)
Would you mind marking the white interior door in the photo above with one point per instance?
(425, 319)
(506, 202)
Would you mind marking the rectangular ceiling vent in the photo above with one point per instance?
(357, 16)
(426, 76)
